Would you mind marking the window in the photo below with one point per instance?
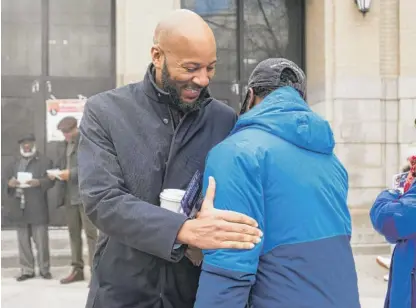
(249, 31)
(21, 38)
(80, 33)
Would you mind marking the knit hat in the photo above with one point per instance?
(278, 72)
(26, 137)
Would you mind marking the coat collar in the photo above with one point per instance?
(76, 142)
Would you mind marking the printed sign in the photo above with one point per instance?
(399, 180)
(56, 110)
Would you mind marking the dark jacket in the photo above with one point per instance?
(394, 216)
(128, 153)
(36, 202)
(68, 191)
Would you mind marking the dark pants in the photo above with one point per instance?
(39, 234)
(78, 220)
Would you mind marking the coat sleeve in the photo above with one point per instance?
(8, 174)
(109, 204)
(394, 216)
(45, 182)
(228, 275)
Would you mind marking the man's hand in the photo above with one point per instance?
(218, 229)
(64, 175)
(34, 183)
(13, 183)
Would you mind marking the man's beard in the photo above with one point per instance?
(31, 153)
(170, 87)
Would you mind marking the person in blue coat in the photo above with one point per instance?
(278, 166)
(394, 216)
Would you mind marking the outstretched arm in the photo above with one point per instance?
(394, 216)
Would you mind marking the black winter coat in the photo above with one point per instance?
(36, 209)
(129, 152)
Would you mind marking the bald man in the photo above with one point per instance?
(137, 141)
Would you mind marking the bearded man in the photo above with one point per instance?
(136, 141)
(27, 185)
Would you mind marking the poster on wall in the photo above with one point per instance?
(56, 110)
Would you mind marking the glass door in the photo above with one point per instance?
(51, 49)
(80, 62)
(247, 32)
(21, 96)
(221, 16)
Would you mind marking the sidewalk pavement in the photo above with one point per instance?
(38, 293)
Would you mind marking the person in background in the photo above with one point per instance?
(394, 216)
(385, 262)
(74, 210)
(135, 142)
(29, 207)
(411, 176)
(278, 167)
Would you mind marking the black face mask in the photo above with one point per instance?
(170, 87)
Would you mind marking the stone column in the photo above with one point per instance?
(407, 80)
(389, 74)
(343, 68)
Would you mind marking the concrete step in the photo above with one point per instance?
(57, 258)
(60, 251)
(364, 241)
(58, 272)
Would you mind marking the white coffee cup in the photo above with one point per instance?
(170, 199)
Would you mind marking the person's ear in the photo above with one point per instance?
(251, 99)
(157, 56)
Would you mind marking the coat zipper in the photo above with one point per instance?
(413, 291)
(175, 131)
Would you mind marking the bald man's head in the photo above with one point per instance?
(184, 56)
(181, 22)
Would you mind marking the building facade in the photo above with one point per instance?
(361, 69)
(61, 49)
(361, 73)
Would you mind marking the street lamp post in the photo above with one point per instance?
(363, 6)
